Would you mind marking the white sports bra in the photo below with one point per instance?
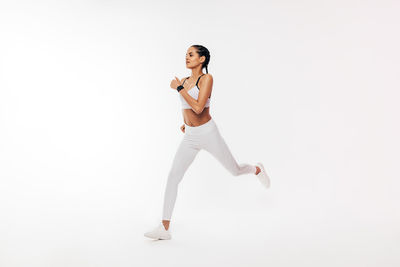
(193, 93)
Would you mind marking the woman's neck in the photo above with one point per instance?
(196, 74)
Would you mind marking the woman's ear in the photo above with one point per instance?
(202, 61)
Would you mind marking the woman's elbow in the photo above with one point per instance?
(199, 110)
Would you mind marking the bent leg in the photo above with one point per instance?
(217, 146)
(184, 156)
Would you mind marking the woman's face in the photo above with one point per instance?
(192, 58)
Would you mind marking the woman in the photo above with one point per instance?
(201, 132)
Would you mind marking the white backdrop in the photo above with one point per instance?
(89, 127)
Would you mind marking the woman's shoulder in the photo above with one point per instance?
(208, 76)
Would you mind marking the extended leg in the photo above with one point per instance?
(217, 146)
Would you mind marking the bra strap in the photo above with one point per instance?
(184, 80)
(199, 79)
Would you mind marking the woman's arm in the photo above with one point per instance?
(205, 92)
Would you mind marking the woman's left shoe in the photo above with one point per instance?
(263, 176)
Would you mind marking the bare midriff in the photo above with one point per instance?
(192, 119)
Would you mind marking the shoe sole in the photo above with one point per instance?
(158, 238)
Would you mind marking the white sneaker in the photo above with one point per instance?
(158, 233)
(263, 176)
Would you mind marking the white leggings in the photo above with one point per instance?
(207, 137)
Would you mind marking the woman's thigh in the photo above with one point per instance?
(184, 155)
(215, 144)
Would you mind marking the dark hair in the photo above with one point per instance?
(202, 51)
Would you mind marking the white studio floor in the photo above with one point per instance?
(245, 226)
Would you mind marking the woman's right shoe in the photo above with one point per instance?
(263, 176)
(158, 232)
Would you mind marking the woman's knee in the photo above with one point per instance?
(235, 171)
(174, 177)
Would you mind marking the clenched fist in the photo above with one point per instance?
(175, 83)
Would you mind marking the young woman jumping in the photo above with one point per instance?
(200, 132)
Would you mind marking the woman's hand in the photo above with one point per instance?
(183, 128)
(175, 83)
